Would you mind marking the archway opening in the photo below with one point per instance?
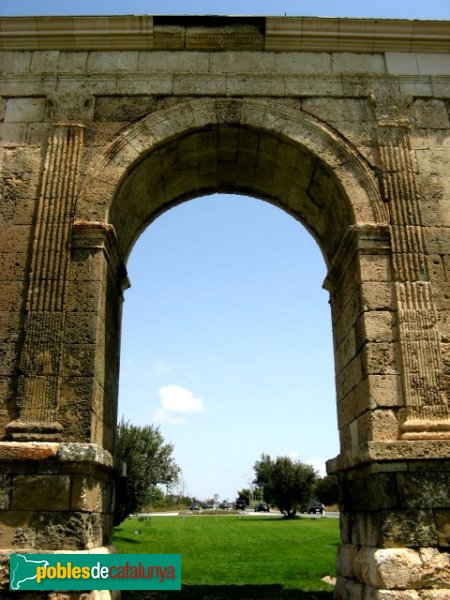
(276, 154)
(227, 347)
(226, 341)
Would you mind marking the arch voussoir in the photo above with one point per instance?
(272, 119)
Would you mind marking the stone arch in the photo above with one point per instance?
(260, 148)
(255, 147)
(263, 149)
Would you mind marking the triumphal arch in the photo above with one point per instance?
(106, 122)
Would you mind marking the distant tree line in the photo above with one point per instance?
(148, 462)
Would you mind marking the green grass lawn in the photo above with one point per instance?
(239, 557)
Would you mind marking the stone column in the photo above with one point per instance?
(394, 469)
(38, 386)
(91, 349)
(40, 359)
(367, 377)
(426, 409)
(56, 483)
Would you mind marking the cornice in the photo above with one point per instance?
(76, 33)
(306, 34)
(356, 35)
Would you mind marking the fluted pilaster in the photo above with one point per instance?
(426, 411)
(40, 360)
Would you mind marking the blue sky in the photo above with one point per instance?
(235, 355)
(226, 339)
(408, 9)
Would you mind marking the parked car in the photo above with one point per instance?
(223, 505)
(315, 508)
(194, 506)
(262, 507)
(240, 504)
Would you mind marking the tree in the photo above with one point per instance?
(286, 483)
(258, 493)
(245, 493)
(148, 462)
(327, 489)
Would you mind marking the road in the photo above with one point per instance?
(247, 513)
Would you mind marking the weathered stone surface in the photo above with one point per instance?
(27, 451)
(345, 559)
(434, 594)
(406, 450)
(431, 113)
(412, 528)
(51, 530)
(20, 110)
(5, 491)
(378, 425)
(375, 492)
(90, 494)
(355, 590)
(45, 61)
(442, 519)
(122, 108)
(84, 453)
(112, 61)
(41, 492)
(373, 594)
(365, 529)
(12, 524)
(424, 489)
(403, 568)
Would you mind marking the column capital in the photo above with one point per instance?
(391, 108)
(365, 238)
(99, 236)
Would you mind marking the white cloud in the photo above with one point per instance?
(176, 403)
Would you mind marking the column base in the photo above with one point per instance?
(418, 429)
(55, 497)
(34, 431)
